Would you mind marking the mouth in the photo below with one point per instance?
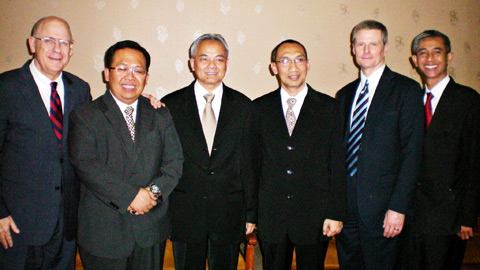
(430, 67)
(128, 87)
(294, 77)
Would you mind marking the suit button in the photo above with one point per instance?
(211, 173)
(289, 196)
(290, 148)
(214, 149)
(290, 172)
(205, 196)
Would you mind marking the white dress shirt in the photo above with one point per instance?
(437, 92)
(43, 85)
(300, 97)
(123, 106)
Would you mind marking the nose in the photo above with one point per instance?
(56, 46)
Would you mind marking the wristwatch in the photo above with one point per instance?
(155, 190)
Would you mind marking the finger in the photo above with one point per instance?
(14, 227)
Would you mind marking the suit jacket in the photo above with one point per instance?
(390, 154)
(449, 186)
(37, 182)
(112, 169)
(302, 177)
(217, 194)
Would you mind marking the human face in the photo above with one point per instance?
(432, 60)
(50, 61)
(126, 88)
(369, 50)
(210, 64)
(292, 75)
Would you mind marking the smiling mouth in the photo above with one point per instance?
(431, 66)
(128, 87)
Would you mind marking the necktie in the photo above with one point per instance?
(428, 110)
(130, 122)
(56, 115)
(209, 124)
(356, 130)
(290, 115)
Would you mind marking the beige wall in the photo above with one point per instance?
(166, 28)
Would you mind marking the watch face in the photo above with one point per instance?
(155, 190)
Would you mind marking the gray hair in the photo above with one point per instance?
(209, 36)
(430, 34)
(369, 25)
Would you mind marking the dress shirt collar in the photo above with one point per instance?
(123, 106)
(200, 91)
(300, 97)
(437, 92)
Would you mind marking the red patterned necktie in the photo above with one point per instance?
(428, 110)
(56, 115)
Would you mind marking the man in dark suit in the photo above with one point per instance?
(446, 200)
(129, 159)
(38, 188)
(302, 194)
(214, 204)
(383, 137)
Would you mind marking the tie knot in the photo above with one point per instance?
(129, 110)
(291, 102)
(209, 97)
(365, 87)
(429, 96)
(53, 86)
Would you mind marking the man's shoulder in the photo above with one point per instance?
(351, 85)
(69, 77)
(466, 93)
(268, 97)
(401, 79)
(12, 75)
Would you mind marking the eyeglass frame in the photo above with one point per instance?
(127, 71)
(64, 43)
(287, 61)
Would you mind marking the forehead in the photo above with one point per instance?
(290, 49)
(129, 56)
(54, 28)
(368, 34)
(214, 47)
(435, 42)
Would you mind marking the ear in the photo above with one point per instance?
(414, 60)
(146, 78)
(273, 66)
(71, 50)
(192, 64)
(31, 44)
(106, 74)
(449, 57)
(308, 64)
(386, 47)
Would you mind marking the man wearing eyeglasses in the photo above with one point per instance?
(301, 165)
(38, 187)
(128, 158)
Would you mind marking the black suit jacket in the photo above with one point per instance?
(217, 194)
(112, 169)
(448, 190)
(37, 182)
(390, 154)
(302, 177)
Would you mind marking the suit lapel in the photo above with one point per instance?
(117, 121)
(443, 109)
(381, 95)
(227, 110)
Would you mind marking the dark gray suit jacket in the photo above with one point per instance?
(37, 182)
(112, 169)
(302, 177)
(448, 191)
(391, 147)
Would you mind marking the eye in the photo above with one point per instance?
(64, 42)
(285, 61)
(139, 71)
(122, 69)
(299, 60)
(219, 60)
(48, 40)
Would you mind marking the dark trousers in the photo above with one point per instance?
(432, 252)
(188, 256)
(150, 258)
(360, 247)
(57, 253)
(279, 256)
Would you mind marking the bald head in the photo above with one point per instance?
(37, 27)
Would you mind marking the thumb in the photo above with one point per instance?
(14, 227)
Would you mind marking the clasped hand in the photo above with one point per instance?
(143, 202)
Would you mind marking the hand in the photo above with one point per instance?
(332, 227)
(5, 237)
(465, 232)
(393, 223)
(154, 101)
(250, 227)
(143, 202)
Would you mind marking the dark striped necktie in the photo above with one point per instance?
(56, 115)
(356, 130)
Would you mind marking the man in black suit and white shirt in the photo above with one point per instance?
(300, 160)
(447, 195)
(383, 137)
(129, 159)
(215, 202)
(38, 187)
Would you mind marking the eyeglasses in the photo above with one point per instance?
(50, 42)
(287, 61)
(123, 71)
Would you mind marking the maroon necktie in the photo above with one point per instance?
(56, 115)
(428, 110)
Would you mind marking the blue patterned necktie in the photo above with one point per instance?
(356, 130)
